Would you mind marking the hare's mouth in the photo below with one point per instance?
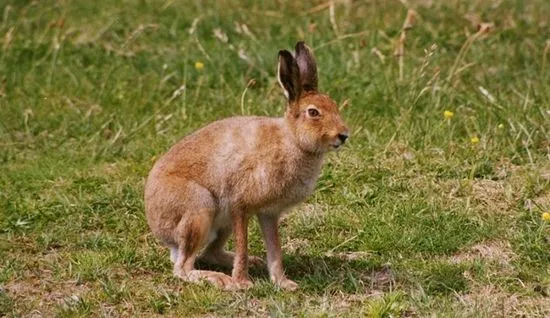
(340, 141)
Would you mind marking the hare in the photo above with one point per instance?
(211, 182)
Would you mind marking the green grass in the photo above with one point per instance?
(410, 219)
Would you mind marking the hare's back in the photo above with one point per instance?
(218, 149)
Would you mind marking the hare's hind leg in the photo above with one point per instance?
(173, 253)
(191, 235)
(216, 254)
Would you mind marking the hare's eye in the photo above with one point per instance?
(312, 112)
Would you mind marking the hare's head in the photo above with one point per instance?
(313, 117)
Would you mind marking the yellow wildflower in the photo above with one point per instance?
(448, 114)
(199, 66)
(474, 140)
(545, 216)
(500, 126)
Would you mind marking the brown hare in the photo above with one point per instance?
(211, 182)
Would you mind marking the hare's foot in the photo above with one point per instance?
(218, 279)
(226, 259)
(286, 284)
(242, 283)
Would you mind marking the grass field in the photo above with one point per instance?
(435, 207)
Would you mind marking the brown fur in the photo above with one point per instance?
(213, 180)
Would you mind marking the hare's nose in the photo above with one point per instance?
(343, 137)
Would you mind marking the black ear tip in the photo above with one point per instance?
(300, 45)
(285, 54)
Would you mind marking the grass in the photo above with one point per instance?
(412, 218)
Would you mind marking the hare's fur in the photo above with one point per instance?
(209, 184)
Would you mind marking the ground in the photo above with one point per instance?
(434, 207)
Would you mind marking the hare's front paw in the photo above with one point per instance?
(287, 284)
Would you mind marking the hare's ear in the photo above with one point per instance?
(307, 66)
(288, 75)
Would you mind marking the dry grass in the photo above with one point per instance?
(491, 301)
(500, 253)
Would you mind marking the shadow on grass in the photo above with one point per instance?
(358, 274)
(319, 274)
